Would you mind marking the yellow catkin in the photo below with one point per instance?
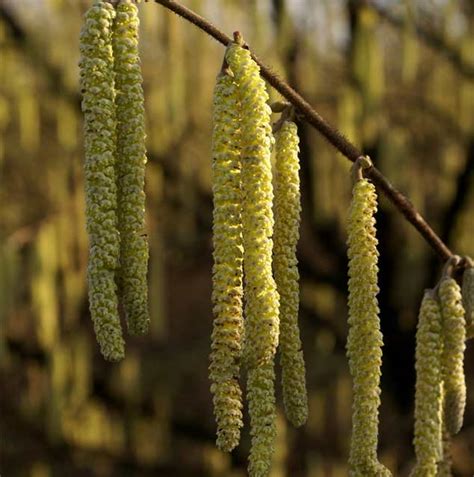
(364, 343)
(285, 265)
(454, 336)
(96, 76)
(261, 297)
(468, 300)
(261, 402)
(227, 271)
(428, 398)
(131, 160)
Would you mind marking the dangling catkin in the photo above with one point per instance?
(261, 297)
(428, 397)
(468, 300)
(454, 336)
(227, 271)
(131, 160)
(364, 343)
(287, 220)
(97, 85)
(261, 402)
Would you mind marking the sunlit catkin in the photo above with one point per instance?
(131, 160)
(97, 85)
(287, 220)
(454, 335)
(261, 297)
(468, 300)
(227, 270)
(364, 343)
(428, 398)
(261, 402)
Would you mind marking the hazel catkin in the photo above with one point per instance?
(261, 297)
(468, 299)
(262, 411)
(97, 85)
(130, 166)
(227, 270)
(454, 336)
(428, 396)
(285, 265)
(364, 343)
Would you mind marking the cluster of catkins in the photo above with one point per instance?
(446, 320)
(113, 107)
(256, 229)
(255, 232)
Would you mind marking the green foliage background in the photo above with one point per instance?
(64, 411)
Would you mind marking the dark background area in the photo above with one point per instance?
(398, 80)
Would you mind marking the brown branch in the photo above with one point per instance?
(341, 143)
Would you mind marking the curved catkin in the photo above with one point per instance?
(364, 342)
(468, 300)
(454, 336)
(428, 396)
(262, 411)
(287, 220)
(131, 160)
(227, 270)
(97, 85)
(261, 297)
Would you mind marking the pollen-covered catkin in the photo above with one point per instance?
(428, 395)
(262, 411)
(130, 167)
(227, 271)
(468, 300)
(261, 297)
(454, 336)
(97, 85)
(285, 265)
(364, 343)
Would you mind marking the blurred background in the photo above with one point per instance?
(396, 77)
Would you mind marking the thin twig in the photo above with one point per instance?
(338, 140)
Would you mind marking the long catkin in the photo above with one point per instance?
(428, 396)
(261, 297)
(285, 265)
(97, 85)
(454, 336)
(130, 166)
(227, 273)
(364, 343)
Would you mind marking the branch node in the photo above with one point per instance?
(361, 165)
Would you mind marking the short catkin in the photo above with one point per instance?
(97, 85)
(130, 167)
(454, 336)
(428, 395)
(261, 402)
(261, 297)
(364, 343)
(287, 210)
(468, 300)
(227, 273)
